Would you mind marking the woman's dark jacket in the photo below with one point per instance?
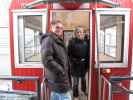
(56, 62)
(78, 51)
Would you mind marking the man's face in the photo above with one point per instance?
(58, 29)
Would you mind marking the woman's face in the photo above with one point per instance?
(80, 33)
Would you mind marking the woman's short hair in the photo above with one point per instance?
(78, 29)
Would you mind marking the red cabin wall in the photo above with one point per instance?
(39, 72)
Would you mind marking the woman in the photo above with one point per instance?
(78, 51)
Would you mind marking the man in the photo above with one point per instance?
(79, 57)
(55, 61)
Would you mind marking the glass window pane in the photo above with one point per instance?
(111, 38)
(29, 46)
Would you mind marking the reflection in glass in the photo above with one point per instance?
(111, 38)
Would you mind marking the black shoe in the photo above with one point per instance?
(75, 93)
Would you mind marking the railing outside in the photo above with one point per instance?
(20, 92)
(113, 85)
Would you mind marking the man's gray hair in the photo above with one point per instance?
(54, 22)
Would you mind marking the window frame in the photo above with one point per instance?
(26, 12)
(114, 11)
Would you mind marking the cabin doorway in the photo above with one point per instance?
(71, 19)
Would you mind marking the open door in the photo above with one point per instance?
(71, 19)
(113, 37)
(112, 42)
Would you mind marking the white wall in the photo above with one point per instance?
(5, 65)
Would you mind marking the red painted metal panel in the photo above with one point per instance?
(27, 85)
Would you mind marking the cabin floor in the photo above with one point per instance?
(82, 96)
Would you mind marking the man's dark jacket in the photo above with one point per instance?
(56, 62)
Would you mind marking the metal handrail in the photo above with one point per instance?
(109, 85)
(120, 78)
(45, 91)
(23, 78)
(113, 82)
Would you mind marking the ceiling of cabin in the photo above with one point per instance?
(72, 19)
